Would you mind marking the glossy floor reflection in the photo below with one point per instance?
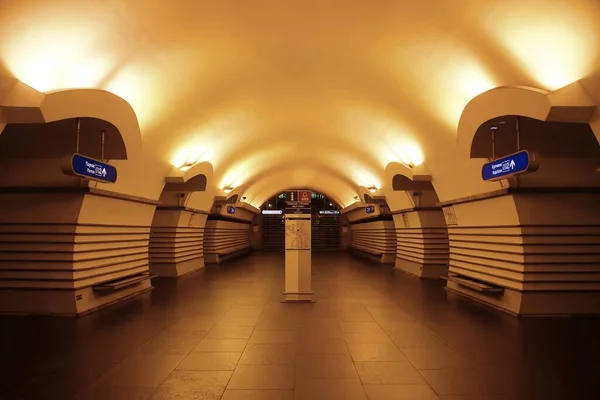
(373, 334)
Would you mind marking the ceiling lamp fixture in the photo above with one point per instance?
(372, 189)
(227, 189)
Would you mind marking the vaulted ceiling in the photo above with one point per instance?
(322, 94)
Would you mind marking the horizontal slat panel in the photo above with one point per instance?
(176, 244)
(226, 237)
(374, 237)
(529, 258)
(423, 245)
(47, 256)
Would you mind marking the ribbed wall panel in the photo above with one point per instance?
(177, 244)
(423, 245)
(422, 242)
(376, 237)
(69, 256)
(222, 238)
(528, 258)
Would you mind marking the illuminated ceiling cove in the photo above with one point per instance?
(324, 94)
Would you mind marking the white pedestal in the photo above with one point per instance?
(298, 286)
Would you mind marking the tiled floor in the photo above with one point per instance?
(372, 334)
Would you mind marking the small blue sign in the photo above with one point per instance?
(370, 209)
(329, 212)
(89, 168)
(231, 210)
(514, 164)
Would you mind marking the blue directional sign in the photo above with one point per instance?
(89, 168)
(514, 164)
(231, 210)
(370, 209)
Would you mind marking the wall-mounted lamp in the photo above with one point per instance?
(356, 198)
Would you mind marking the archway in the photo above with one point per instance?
(325, 223)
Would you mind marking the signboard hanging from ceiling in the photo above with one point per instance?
(518, 163)
(298, 201)
(86, 167)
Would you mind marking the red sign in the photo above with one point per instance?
(304, 196)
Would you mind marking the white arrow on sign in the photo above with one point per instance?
(512, 164)
(104, 171)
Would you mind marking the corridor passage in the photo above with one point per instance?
(372, 334)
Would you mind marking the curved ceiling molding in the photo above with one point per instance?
(195, 184)
(178, 176)
(20, 103)
(419, 173)
(569, 104)
(100, 104)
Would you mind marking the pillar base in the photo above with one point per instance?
(535, 304)
(419, 270)
(305, 297)
(65, 303)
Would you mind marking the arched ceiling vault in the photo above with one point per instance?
(293, 171)
(354, 168)
(380, 82)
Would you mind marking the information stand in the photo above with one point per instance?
(298, 262)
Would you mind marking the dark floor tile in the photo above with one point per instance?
(400, 392)
(269, 354)
(388, 373)
(328, 331)
(311, 345)
(272, 337)
(367, 338)
(440, 357)
(455, 381)
(327, 389)
(360, 327)
(238, 321)
(354, 316)
(277, 377)
(258, 395)
(200, 385)
(117, 393)
(204, 361)
(375, 352)
(63, 383)
(485, 397)
(170, 346)
(221, 345)
(141, 370)
(325, 366)
(412, 335)
(229, 332)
